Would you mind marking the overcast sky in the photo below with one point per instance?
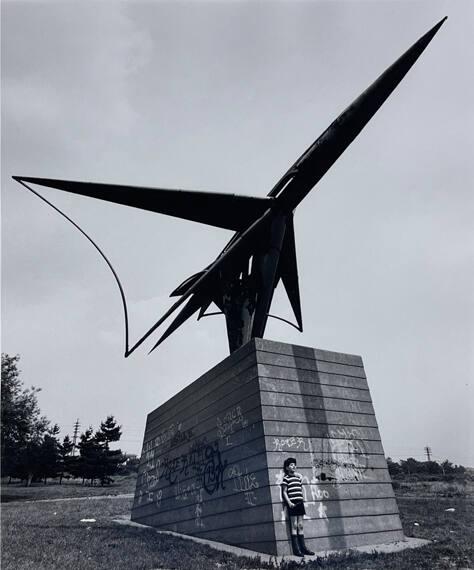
(224, 96)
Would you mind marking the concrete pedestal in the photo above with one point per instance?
(213, 454)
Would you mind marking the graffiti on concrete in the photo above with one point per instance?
(342, 457)
(198, 510)
(344, 433)
(213, 469)
(343, 460)
(341, 470)
(171, 436)
(340, 460)
(226, 426)
(186, 490)
(318, 494)
(197, 468)
(291, 444)
(244, 481)
(158, 496)
(322, 511)
(250, 498)
(202, 463)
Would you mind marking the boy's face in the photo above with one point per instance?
(291, 467)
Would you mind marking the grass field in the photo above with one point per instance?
(69, 489)
(50, 535)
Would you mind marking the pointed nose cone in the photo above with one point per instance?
(382, 87)
(429, 35)
(324, 152)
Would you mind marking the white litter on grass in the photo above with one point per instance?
(451, 510)
(416, 524)
(88, 520)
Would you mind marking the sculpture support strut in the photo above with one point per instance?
(269, 265)
(239, 310)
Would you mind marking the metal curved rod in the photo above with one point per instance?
(300, 329)
(122, 294)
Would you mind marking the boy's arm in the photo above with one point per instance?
(285, 495)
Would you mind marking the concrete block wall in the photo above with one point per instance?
(212, 456)
(316, 407)
(203, 468)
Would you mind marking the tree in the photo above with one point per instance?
(109, 432)
(449, 469)
(432, 468)
(393, 468)
(428, 469)
(96, 459)
(66, 459)
(32, 450)
(410, 466)
(110, 460)
(22, 426)
(49, 460)
(89, 451)
(130, 464)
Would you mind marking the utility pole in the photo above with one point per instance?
(74, 437)
(428, 452)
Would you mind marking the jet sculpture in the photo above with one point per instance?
(242, 280)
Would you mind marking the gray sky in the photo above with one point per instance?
(224, 96)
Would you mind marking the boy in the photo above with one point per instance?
(292, 489)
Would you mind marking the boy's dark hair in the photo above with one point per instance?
(288, 461)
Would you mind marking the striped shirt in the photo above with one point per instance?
(294, 486)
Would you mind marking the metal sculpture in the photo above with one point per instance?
(242, 280)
